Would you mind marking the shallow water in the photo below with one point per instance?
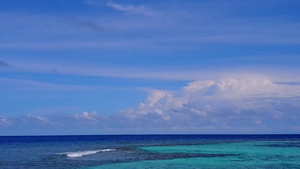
(152, 151)
(241, 155)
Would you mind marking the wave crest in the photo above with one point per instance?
(84, 153)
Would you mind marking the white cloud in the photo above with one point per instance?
(87, 116)
(154, 97)
(230, 105)
(240, 88)
(5, 122)
(37, 120)
(131, 9)
(226, 105)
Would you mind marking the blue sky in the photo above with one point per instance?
(145, 66)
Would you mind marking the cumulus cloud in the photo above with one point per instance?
(231, 105)
(226, 105)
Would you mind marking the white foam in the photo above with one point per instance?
(83, 153)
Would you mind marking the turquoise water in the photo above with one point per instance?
(238, 155)
(151, 152)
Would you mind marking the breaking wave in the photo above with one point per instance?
(84, 153)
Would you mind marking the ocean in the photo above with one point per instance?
(150, 151)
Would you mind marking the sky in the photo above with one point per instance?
(149, 67)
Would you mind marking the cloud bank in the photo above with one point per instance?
(249, 105)
(231, 105)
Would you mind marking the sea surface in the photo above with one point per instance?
(151, 151)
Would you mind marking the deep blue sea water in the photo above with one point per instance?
(151, 151)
